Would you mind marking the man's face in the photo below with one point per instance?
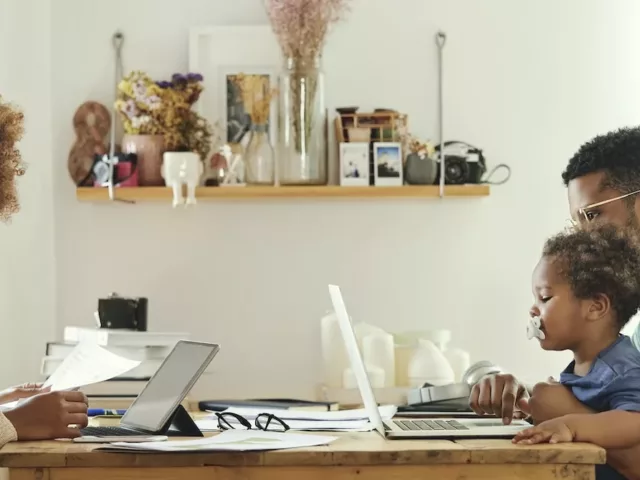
(587, 190)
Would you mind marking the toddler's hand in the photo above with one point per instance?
(551, 431)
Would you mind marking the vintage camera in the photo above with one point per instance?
(116, 312)
(464, 163)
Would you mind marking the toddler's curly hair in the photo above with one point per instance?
(11, 165)
(601, 259)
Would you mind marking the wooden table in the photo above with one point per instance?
(364, 456)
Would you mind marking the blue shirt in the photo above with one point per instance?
(612, 383)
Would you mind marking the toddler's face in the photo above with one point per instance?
(560, 312)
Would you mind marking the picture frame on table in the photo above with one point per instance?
(387, 164)
(354, 164)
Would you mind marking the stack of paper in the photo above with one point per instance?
(237, 440)
(341, 420)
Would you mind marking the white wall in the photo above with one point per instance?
(27, 306)
(527, 81)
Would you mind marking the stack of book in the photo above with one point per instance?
(150, 348)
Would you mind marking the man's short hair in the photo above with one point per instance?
(616, 154)
(11, 165)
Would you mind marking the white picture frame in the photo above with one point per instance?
(387, 164)
(218, 51)
(354, 164)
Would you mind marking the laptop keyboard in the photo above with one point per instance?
(107, 432)
(429, 425)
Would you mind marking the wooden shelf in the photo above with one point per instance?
(144, 194)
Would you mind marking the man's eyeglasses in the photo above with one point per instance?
(585, 212)
(264, 421)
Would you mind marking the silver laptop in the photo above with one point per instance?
(408, 428)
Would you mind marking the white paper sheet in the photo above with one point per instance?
(235, 440)
(211, 425)
(86, 364)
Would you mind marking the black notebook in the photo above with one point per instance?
(267, 403)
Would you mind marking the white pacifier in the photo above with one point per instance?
(533, 329)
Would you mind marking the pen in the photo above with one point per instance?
(105, 412)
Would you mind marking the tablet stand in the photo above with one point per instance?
(180, 424)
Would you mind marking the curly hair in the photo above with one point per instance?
(601, 259)
(616, 153)
(11, 165)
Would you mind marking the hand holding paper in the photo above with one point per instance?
(87, 363)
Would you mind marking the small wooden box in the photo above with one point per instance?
(383, 126)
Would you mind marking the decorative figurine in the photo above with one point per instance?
(180, 168)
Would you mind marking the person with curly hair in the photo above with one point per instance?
(39, 413)
(586, 288)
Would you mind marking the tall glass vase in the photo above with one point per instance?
(258, 157)
(302, 132)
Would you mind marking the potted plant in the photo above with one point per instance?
(158, 117)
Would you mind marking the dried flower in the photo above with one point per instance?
(301, 26)
(164, 108)
(257, 95)
(11, 164)
(411, 144)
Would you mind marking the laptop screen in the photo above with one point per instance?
(355, 358)
(169, 385)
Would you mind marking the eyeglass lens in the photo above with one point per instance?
(278, 425)
(264, 421)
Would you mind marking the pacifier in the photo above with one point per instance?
(533, 329)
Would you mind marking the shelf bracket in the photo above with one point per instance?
(441, 38)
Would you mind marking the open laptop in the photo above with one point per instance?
(408, 428)
(157, 410)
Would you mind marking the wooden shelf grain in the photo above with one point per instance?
(148, 194)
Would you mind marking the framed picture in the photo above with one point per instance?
(387, 164)
(354, 164)
(221, 52)
(236, 111)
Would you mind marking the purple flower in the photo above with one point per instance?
(194, 77)
(177, 79)
(163, 84)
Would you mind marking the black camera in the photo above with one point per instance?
(464, 163)
(116, 312)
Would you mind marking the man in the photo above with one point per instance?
(41, 414)
(603, 183)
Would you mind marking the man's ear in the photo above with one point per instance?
(599, 306)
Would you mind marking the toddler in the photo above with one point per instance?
(586, 288)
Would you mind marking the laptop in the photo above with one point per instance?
(158, 408)
(449, 428)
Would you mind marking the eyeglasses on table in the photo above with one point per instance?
(264, 421)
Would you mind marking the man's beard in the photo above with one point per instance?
(632, 222)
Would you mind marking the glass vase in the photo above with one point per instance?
(259, 157)
(302, 132)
